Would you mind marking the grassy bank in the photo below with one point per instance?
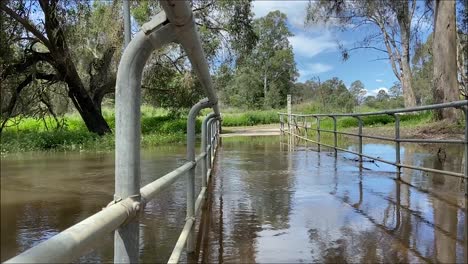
(158, 126)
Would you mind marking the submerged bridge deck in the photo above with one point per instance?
(271, 204)
(260, 201)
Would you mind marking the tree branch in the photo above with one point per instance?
(28, 61)
(31, 28)
(369, 47)
(11, 105)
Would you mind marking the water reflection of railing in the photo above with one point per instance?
(293, 123)
(174, 24)
(409, 220)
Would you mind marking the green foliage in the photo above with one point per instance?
(377, 120)
(250, 118)
(264, 77)
(422, 72)
(159, 126)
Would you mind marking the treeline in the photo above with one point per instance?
(333, 96)
(59, 57)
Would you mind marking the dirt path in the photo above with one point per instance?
(260, 130)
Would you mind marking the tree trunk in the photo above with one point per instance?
(89, 111)
(408, 93)
(444, 51)
(404, 21)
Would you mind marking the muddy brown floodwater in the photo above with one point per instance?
(267, 204)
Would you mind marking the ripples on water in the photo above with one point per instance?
(267, 204)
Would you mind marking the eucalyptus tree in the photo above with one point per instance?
(444, 52)
(358, 91)
(391, 26)
(270, 62)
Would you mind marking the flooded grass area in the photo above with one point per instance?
(268, 203)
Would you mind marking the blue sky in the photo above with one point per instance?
(316, 50)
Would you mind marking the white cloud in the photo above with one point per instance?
(379, 80)
(307, 46)
(311, 69)
(295, 10)
(376, 91)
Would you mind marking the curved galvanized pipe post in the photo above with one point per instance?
(127, 129)
(180, 14)
(191, 124)
(204, 145)
(211, 141)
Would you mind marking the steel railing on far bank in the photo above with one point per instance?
(299, 125)
(174, 24)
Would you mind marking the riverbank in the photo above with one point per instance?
(159, 126)
(432, 130)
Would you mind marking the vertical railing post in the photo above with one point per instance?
(397, 146)
(306, 132)
(318, 133)
(128, 130)
(360, 138)
(466, 150)
(210, 142)
(281, 123)
(204, 146)
(289, 112)
(216, 133)
(210, 127)
(191, 125)
(335, 138)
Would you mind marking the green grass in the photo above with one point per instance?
(370, 121)
(250, 118)
(158, 126)
(29, 134)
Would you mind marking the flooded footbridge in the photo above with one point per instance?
(270, 204)
(267, 203)
(250, 199)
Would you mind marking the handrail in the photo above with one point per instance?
(293, 126)
(455, 104)
(121, 215)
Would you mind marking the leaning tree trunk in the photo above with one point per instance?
(444, 52)
(85, 105)
(91, 114)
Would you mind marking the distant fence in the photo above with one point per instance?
(298, 122)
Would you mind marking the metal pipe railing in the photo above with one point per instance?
(180, 14)
(191, 121)
(127, 128)
(121, 215)
(463, 105)
(456, 104)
